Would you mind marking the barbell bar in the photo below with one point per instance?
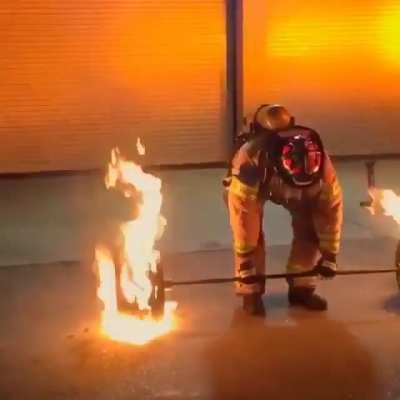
(157, 300)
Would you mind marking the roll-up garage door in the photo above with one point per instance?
(80, 76)
(336, 64)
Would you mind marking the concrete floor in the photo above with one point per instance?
(50, 347)
(51, 219)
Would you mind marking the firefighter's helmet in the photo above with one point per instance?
(299, 156)
(272, 117)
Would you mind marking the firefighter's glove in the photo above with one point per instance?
(327, 266)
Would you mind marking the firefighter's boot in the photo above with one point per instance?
(305, 296)
(253, 304)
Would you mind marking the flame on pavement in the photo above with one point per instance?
(138, 256)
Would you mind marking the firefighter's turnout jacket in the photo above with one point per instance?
(316, 212)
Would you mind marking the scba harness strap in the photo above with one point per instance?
(295, 154)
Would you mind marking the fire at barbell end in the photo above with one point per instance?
(385, 202)
(127, 284)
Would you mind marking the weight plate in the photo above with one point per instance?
(157, 298)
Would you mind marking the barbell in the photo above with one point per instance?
(159, 284)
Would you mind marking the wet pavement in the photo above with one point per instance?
(51, 348)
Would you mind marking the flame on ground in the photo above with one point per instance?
(386, 202)
(120, 326)
(138, 257)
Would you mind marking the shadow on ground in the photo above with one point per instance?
(314, 358)
(50, 346)
(392, 304)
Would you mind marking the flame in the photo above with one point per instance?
(138, 259)
(120, 326)
(387, 202)
(141, 149)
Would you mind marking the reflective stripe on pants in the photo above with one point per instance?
(258, 262)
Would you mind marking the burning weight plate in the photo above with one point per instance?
(157, 297)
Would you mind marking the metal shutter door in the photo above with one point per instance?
(336, 64)
(80, 76)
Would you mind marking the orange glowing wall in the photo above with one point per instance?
(335, 63)
(80, 76)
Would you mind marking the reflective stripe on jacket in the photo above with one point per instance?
(253, 181)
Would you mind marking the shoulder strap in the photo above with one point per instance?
(240, 140)
(266, 160)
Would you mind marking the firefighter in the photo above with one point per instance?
(286, 164)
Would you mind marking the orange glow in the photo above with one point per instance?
(321, 58)
(75, 73)
(322, 29)
(139, 257)
(390, 33)
(302, 50)
(313, 35)
(177, 58)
